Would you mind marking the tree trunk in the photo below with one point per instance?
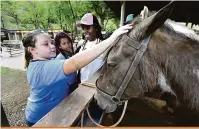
(74, 19)
(60, 19)
(101, 21)
(2, 21)
(17, 21)
(107, 18)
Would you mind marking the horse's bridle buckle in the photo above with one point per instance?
(116, 100)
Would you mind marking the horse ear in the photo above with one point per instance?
(152, 23)
(144, 13)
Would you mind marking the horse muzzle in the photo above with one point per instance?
(105, 104)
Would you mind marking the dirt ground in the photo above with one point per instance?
(14, 94)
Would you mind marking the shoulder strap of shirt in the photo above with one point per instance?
(80, 47)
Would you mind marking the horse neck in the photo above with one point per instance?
(178, 61)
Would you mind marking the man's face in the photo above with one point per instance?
(89, 32)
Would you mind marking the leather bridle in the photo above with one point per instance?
(141, 48)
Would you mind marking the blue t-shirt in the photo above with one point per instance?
(73, 75)
(48, 87)
(61, 57)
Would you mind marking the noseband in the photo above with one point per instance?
(141, 48)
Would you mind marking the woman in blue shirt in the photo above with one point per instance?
(64, 50)
(48, 77)
(64, 46)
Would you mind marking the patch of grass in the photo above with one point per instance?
(4, 70)
(13, 76)
(14, 94)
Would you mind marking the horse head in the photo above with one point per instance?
(120, 57)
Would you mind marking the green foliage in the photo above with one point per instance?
(112, 24)
(64, 15)
(102, 11)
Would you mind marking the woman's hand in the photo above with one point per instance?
(118, 32)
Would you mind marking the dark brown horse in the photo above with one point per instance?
(170, 63)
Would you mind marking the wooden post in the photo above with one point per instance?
(53, 35)
(122, 13)
(22, 35)
(9, 36)
(15, 36)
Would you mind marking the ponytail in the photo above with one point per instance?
(29, 40)
(28, 57)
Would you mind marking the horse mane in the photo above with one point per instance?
(174, 52)
(189, 36)
(168, 28)
(177, 55)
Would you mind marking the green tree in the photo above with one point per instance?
(54, 14)
(102, 11)
(10, 9)
(38, 14)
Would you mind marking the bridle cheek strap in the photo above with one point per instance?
(141, 48)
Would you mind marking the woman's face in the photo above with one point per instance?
(89, 32)
(44, 47)
(66, 46)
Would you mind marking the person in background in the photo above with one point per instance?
(129, 19)
(64, 45)
(64, 50)
(92, 36)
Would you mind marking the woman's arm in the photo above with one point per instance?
(83, 58)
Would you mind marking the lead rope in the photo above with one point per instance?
(124, 110)
(82, 119)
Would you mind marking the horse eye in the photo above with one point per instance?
(112, 64)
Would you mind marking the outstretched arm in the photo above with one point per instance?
(83, 58)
